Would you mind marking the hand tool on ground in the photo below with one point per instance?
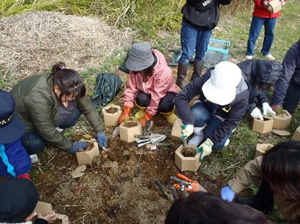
(148, 126)
(116, 132)
(161, 188)
(152, 139)
(184, 183)
(174, 192)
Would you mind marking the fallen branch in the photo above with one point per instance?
(231, 166)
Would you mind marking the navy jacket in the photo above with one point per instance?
(18, 160)
(257, 71)
(290, 75)
(232, 113)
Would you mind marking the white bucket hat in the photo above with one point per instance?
(220, 88)
(140, 57)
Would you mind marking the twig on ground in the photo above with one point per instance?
(231, 166)
(51, 158)
(80, 218)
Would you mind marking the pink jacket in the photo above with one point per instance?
(157, 85)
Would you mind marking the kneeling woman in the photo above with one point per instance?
(151, 86)
(48, 103)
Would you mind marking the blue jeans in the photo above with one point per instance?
(256, 25)
(202, 116)
(192, 39)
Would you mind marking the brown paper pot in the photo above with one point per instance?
(262, 148)
(176, 130)
(127, 134)
(282, 121)
(109, 118)
(87, 157)
(264, 126)
(187, 163)
(296, 135)
(274, 6)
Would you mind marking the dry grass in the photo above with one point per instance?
(30, 43)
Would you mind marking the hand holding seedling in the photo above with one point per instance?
(267, 109)
(276, 108)
(256, 114)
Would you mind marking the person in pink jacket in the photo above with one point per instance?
(151, 86)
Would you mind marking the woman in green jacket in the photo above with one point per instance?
(46, 104)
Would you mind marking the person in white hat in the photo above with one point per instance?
(150, 86)
(222, 103)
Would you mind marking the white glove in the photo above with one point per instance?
(267, 109)
(282, 2)
(186, 130)
(256, 114)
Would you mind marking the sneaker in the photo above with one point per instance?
(226, 143)
(249, 57)
(270, 57)
(34, 158)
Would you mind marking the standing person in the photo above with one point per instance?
(48, 103)
(198, 20)
(286, 90)
(150, 87)
(262, 17)
(222, 103)
(18, 199)
(14, 160)
(279, 172)
(261, 75)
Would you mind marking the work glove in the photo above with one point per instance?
(276, 107)
(282, 2)
(256, 114)
(205, 148)
(102, 139)
(186, 130)
(125, 114)
(227, 194)
(77, 146)
(267, 109)
(144, 119)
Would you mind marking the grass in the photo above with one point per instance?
(158, 22)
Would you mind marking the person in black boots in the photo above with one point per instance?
(199, 19)
(279, 171)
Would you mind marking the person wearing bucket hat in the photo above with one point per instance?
(222, 103)
(14, 160)
(261, 74)
(150, 87)
(46, 104)
(18, 199)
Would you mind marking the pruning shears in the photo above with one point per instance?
(184, 183)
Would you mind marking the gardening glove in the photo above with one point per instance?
(267, 109)
(144, 119)
(205, 148)
(282, 2)
(276, 107)
(125, 114)
(227, 194)
(102, 139)
(186, 130)
(256, 114)
(77, 146)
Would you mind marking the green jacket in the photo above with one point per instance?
(37, 107)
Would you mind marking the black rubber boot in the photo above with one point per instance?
(198, 65)
(181, 74)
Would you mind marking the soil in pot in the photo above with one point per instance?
(190, 152)
(130, 124)
(111, 110)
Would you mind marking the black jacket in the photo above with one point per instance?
(258, 71)
(232, 113)
(203, 14)
(290, 75)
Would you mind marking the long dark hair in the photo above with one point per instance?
(203, 208)
(68, 81)
(148, 71)
(281, 168)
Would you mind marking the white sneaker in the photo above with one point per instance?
(270, 57)
(227, 143)
(34, 158)
(249, 57)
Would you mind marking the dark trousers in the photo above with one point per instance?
(34, 143)
(166, 104)
(263, 200)
(292, 98)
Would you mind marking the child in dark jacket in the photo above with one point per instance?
(14, 160)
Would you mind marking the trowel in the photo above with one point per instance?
(115, 133)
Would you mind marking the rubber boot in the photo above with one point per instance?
(198, 66)
(170, 116)
(181, 74)
(197, 137)
(141, 113)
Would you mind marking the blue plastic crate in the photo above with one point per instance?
(218, 50)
